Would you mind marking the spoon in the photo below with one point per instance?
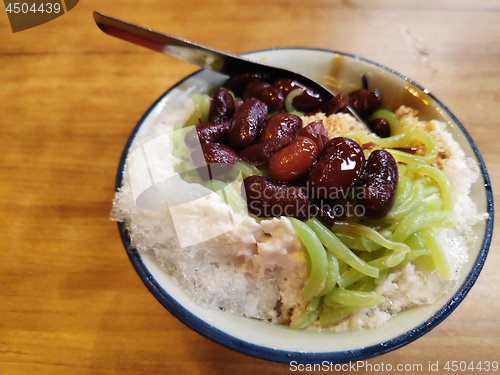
(207, 58)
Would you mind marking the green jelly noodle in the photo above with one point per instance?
(423, 202)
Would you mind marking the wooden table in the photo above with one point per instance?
(70, 301)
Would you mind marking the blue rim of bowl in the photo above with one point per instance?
(283, 356)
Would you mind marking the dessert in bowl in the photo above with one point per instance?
(243, 280)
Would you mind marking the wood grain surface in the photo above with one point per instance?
(70, 301)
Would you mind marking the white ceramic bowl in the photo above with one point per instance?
(281, 344)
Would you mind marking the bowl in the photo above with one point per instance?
(260, 339)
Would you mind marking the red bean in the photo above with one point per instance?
(287, 85)
(281, 125)
(377, 187)
(237, 104)
(238, 82)
(381, 127)
(365, 102)
(253, 89)
(317, 132)
(339, 168)
(260, 153)
(221, 106)
(213, 159)
(336, 104)
(247, 123)
(263, 91)
(268, 199)
(274, 98)
(307, 101)
(294, 160)
(219, 153)
(208, 133)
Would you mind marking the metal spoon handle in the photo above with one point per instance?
(196, 54)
